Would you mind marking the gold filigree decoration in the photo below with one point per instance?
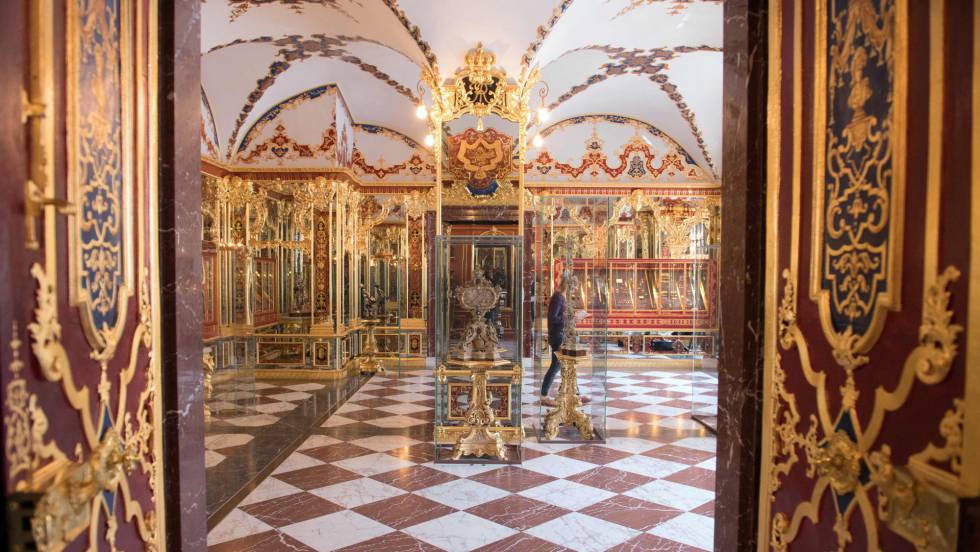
(73, 490)
(951, 430)
(840, 460)
(937, 334)
(416, 203)
(457, 194)
(777, 538)
(921, 513)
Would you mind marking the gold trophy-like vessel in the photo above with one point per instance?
(368, 363)
(478, 351)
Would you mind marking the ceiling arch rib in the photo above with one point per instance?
(597, 56)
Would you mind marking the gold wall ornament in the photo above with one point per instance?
(839, 460)
(856, 244)
(65, 509)
(951, 430)
(937, 333)
(923, 514)
(416, 203)
(457, 194)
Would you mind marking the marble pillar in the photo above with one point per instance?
(182, 382)
(743, 258)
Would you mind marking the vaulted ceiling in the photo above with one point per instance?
(658, 62)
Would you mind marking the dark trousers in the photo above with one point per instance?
(549, 376)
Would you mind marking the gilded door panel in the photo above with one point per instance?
(81, 411)
(871, 431)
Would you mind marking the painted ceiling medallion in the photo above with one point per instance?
(480, 159)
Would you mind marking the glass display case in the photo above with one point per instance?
(704, 349)
(382, 270)
(479, 339)
(573, 293)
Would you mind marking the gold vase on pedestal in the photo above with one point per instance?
(569, 403)
(368, 363)
(478, 351)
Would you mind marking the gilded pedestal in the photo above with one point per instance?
(368, 363)
(567, 411)
(480, 441)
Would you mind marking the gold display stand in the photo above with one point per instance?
(480, 441)
(368, 363)
(567, 410)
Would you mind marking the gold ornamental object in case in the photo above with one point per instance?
(479, 351)
(368, 363)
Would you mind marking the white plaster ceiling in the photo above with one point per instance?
(657, 61)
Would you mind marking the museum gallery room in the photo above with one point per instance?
(521, 358)
(518, 275)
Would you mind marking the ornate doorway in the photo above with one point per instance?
(869, 436)
(81, 332)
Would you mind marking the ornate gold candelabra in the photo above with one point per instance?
(368, 363)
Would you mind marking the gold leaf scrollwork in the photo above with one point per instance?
(778, 540)
(840, 461)
(785, 438)
(924, 514)
(937, 333)
(951, 430)
(65, 509)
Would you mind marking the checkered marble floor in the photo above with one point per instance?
(366, 479)
(237, 404)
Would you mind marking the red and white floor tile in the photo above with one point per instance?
(366, 480)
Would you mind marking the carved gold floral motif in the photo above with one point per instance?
(857, 223)
(74, 491)
(100, 165)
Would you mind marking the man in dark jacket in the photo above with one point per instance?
(556, 333)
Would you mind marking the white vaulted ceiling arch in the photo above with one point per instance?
(655, 61)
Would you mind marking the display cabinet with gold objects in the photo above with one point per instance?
(478, 354)
(570, 311)
(307, 278)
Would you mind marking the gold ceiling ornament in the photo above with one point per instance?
(457, 194)
(480, 89)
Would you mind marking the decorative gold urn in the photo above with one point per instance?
(478, 351)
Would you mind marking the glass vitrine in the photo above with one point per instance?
(574, 289)
(479, 339)
(704, 343)
(381, 275)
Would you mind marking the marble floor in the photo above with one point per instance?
(254, 423)
(365, 479)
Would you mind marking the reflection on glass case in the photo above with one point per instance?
(571, 312)
(704, 355)
(478, 344)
